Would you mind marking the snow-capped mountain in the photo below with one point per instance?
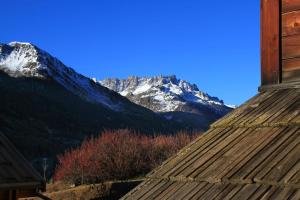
(165, 94)
(45, 104)
(26, 60)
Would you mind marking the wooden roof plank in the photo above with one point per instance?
(295, 196)
(242, 157)
(158, 184)
(283, 193)
(242, 172)
(275, 159)
(285, 165)
(295, 179)
(286, 115)
(209, 158)
(163, 194)
(189, 186)
(269, 193)
(269, 158)
(268, 116)
(245, 192)
(262, 189)
(181, 162)
(235, 154)
(227, 190)
(181, 154)
(202, 191)
(192, 193)
(245, 109)
(179, 190)
(261, 111)
(233, 192)
(214, 191)
(158, 192)
(143, 189)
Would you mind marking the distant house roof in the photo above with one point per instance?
(252, 153)
(15, 171)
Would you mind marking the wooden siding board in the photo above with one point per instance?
(290, 70)
(291, 47)
(291, 24)
(290, 64)
(290, 5)
(291, 76)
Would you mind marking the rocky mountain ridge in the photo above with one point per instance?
(165, 94)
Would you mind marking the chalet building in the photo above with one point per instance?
(17, 177)
(254, 151)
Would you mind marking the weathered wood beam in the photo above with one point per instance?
(270, 42)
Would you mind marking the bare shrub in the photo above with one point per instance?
(117, 155)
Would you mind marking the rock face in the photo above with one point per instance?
(173, 98)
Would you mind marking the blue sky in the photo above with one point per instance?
(214, 44)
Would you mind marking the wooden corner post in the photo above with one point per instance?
(270, 42)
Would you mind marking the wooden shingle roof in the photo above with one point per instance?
(15, 171)
(252, 153)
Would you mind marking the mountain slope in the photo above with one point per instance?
(45, 104)
(175, 99)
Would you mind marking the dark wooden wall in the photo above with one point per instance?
(290, 40)
(280, 41)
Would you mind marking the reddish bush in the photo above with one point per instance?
(117, 155)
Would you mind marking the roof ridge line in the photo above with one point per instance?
(274, 125)
(225, 181)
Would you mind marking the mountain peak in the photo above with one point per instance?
(21, 59)
(163, 93)
(15, 43)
